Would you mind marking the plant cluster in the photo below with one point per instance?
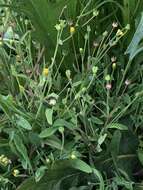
(71, 95)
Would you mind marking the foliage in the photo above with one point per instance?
(71, 106)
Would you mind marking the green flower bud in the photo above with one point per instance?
(107, 78)
(61, 129)
(68, 74)
(94, 69)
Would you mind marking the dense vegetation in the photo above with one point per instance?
(71, 94)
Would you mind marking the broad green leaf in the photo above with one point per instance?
(63, 123)
(49, 115)
(80, 165)
(115, 143)
(48, 132)
(54, 142)
(21, 122)
(117, 126)
(21, 149)
(114, 147)
(134, 47)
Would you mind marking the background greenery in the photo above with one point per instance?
(71, 88)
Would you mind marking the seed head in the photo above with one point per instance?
(52, 102)
(114, 24)
(95, 44)
(113, 59)
(127, 82)
(108, 86)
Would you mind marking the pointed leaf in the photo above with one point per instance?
(21, 122)
(48, 132)
(117, 126)
(49, 115)
(134, 48)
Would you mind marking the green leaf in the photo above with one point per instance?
(54, 142)
(134, 47)
(97, 120)
(63, 123)
(73, 163)
(140, 156)
(6, 102)
(21, 122)
(60, 171)
(40, 173)
(48, 132)
(100, 178)
(102, 139)
(114, 147)
(100, 142)
(21, 149)
(80, 165)
(117, 126)
(124, 183)
(49, 115)
(115, 143)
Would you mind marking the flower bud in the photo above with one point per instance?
(107, 78)
(45, 72)
(114, 66)
(95, 13)
(94, 70)
(73, 156)
(108, 86)
(61, 129)
(15, 173)
(127, 82)
(119, 33)
(68, 74)
(114, 24)
(72, 30)
(81, 50)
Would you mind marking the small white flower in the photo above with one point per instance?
(127, 82)
(114, 24)
(52, 102)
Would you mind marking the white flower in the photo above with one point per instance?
(52, 102)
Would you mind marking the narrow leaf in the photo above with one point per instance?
(117, 126)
